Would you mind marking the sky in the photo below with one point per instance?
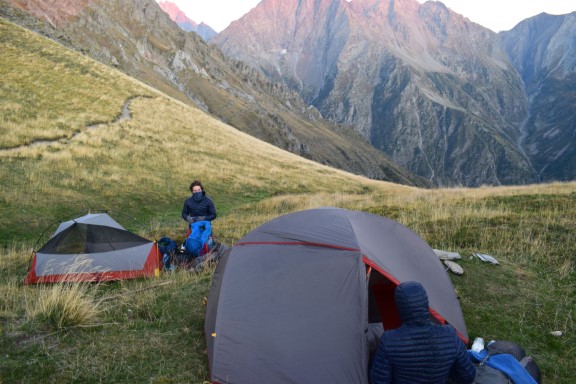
(497, 15)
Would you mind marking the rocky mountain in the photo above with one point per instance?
(205, 31)
(437, 93)
(178, 16)
(137, 37)
(543, 49)
(184, 22)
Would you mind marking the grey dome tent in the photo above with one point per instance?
(93, 247)
(291, 302)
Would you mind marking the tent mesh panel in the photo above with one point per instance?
(89, 238)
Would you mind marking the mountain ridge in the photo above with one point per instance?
(435, 91)
(544, 51)
(184, 22)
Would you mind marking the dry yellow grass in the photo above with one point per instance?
(158, 152)
(37, 110)
(65, 305)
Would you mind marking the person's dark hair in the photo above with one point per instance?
(196, 183)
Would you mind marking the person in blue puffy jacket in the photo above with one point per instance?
(420, 351)
(198, 207)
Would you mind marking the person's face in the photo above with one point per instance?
(196, 188)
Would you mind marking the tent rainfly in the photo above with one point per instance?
(292, 301)
(93, 247)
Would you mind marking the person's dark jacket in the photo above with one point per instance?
(419, 351)
(198, 207)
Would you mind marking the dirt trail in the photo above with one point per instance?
(125, 114)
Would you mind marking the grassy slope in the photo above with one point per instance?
(142, 167)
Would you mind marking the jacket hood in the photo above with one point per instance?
(412, 303)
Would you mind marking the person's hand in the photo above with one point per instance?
(201, 218)
(190, 219)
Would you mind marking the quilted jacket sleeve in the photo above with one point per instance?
(381, 371)
(211, 209)
(463, 370)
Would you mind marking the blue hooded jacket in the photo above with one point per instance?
(200, 206)
(419, 351)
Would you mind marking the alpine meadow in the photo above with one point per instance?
(79, 136)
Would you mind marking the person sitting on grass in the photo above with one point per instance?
(420, 351)
(198, 207)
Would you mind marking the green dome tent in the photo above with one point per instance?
(291, 302)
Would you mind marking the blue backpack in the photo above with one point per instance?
(167, 248)
(505, 362)
(197, 243)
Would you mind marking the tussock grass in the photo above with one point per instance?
(144, 331)
(65, 305)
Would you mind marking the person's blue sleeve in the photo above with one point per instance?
(463, 371)
(211, 211)
(185, 211)
(381, 371)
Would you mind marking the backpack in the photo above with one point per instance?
(167, 248)
(505, 362)
(198, 242)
